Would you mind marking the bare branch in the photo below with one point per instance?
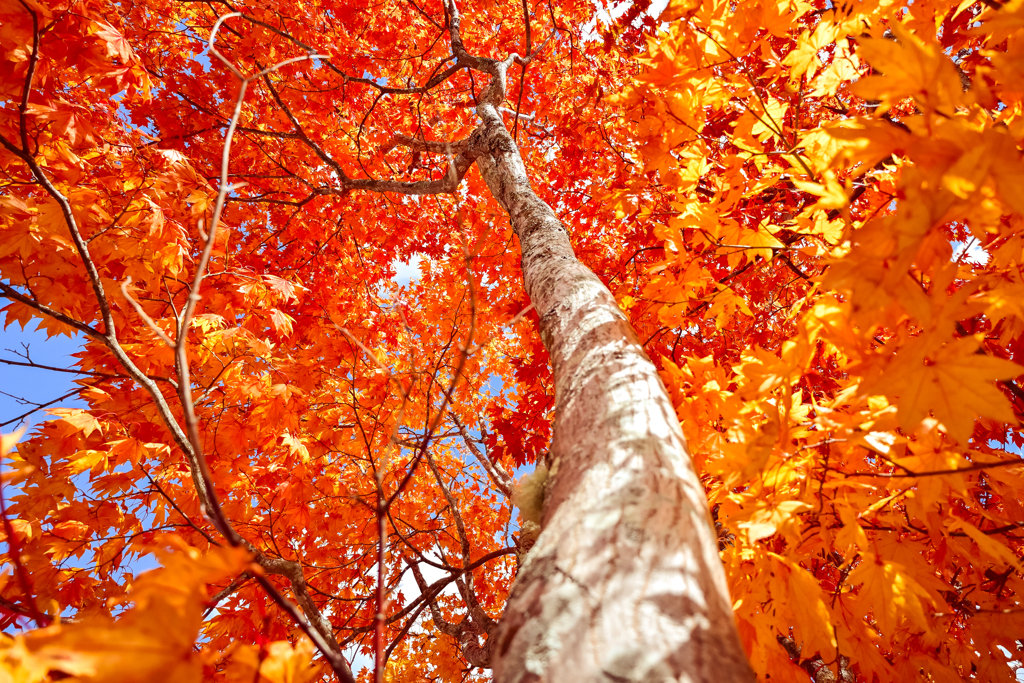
(226, 591)
(420, 145)
(181, 512)
(465, 585)
(909, 474)
(72, 371)
(15, 295)
(497, 474)
(39, 406)
(435, 614)
(33, 62)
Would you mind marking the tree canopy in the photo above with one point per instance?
(809, 212)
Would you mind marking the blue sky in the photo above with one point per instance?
(20, 384)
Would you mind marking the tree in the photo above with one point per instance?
(259, 386)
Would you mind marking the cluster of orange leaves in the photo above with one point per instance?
(841, 290)
(154, 638)
(300, 334)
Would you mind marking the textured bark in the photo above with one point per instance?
(624, 582)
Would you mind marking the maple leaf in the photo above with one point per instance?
(763, 241)
(804, 59)
(276, 662)
(988, 545)
(116, 43)
(809, 608)
(911, 67)
(295, 446)
(282, 322)
(284, 289)
(769, 120)
(78, 419)
(953, 381)
(767, 520)
(891, 594)
(8, 441)
(832, 194)
(725, 303)
(998, 26)
(845, 68)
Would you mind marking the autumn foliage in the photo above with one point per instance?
(812, 214)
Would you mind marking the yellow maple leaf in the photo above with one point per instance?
(769, 121)
(998, 26)
(762, 240)
(725, 304)
(154, 640)
(819, 224)
(766, 519)
(953, 382)
(850, 533)
(862, 142)
(891, 594)
(811, 612)
(832, 194)
(844, 67)
(295, 446)
(804, 59)
(910, 66)
(276, 662)
(7, 441)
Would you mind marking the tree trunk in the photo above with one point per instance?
(624, 582)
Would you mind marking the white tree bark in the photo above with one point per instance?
(624, 582)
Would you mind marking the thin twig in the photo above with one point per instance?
(38, 407)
